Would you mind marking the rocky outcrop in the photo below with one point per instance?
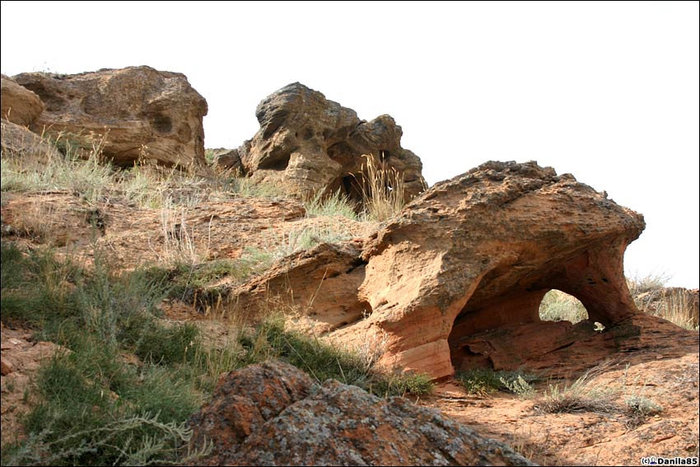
(472, 255)
(141, 112)
(19, 104)
(309, 144)
(271, 414)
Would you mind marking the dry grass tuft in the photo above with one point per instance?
(383, 190)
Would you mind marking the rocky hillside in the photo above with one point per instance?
(305, 298)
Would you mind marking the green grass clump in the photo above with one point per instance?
(335, 204)
(323, 361)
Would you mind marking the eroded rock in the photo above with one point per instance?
(144, 113)
(271, 414)
(473, 255)
(19, 104)
(310, 144)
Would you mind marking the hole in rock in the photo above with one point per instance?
(559, 306)
(507, 332)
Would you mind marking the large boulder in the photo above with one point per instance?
(272, 414)
(141, 112)
(19, 104)
(309, 144)
(457, 278)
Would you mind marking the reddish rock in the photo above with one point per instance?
(6, 367)
(19, 104)
(309, 144)
(244, 399)
(475, 254)
(144, 113)
(335, 424)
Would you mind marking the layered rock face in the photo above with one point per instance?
(144, 113)
(472, 255)
(19, 105)
(272, 414)
(309, 144)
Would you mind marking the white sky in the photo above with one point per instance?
(607, 91)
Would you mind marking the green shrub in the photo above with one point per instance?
(168, 345)
(482, 381)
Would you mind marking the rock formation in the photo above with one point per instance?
(472, 255)
(19, 104)
(144, 113)
(310, 144)
(272, 414)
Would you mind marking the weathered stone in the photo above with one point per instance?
(335, 424)
(474, 254)
(230, 160)
(19, 104)
(141, 112)
(244, 399)
(18, 141)
(309, 145)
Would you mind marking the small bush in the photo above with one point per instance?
(482, 381)
(580, 396)
(642, 406)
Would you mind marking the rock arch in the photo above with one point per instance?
(458, 277)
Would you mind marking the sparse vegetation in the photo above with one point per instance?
(91, 405)
(651, 296)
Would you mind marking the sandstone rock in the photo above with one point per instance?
(143, 112)
(19, 104)
(310, 144)
(18, 141)
(229, 160)
(335, 424)
(475, 254)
